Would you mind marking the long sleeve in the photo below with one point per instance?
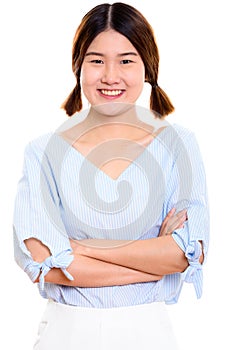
(36, 214)
(187, 189)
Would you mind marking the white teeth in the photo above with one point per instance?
(111, 92)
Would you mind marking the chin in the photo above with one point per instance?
(113, 109)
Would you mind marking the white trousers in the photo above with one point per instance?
(142, 327)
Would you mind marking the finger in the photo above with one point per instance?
(171, 222)
(181, 213)
(179, 223)
(171, 212)
(169, 215)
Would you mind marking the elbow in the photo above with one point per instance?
(181, 262)
(186, 255)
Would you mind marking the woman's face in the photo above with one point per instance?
(112, 70)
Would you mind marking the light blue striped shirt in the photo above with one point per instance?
(61, 195)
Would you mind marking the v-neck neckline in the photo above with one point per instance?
(125, 170)
(102, 172)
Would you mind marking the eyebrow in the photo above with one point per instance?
(92, 53)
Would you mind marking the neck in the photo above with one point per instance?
(114, 120)
(113, 113)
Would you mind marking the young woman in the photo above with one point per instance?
(111, 213)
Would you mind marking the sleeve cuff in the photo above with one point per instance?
(61, 261)
(193, 273)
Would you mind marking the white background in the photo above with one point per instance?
(195, 40)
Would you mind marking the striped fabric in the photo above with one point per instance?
(62, 195)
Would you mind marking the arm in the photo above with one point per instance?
(87, 272)
(158, 256)
(41, 244)
(181, 250)
(36, 215)
(94, 271)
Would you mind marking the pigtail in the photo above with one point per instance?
(160, 102)
(73, 103)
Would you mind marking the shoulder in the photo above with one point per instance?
(180, 140)
(49, 149)
(183, 136)
(45, 142)
(37, 147)
(40, 141)
(175, 136)
(182, 131)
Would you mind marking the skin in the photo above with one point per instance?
(95, 272)
(112, 68)
(115, 73)
(157, 256)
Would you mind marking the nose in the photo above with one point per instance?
(111, 74)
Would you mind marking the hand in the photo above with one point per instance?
(172, 222)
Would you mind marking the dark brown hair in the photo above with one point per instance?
(129, 22)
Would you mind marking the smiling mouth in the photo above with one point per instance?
(111, 92)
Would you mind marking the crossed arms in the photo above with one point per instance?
(99, 263)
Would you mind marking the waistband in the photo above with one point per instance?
(59, 308)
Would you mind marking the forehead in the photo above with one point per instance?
(111, 42)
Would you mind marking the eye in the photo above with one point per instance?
(126, 61)
(97, 61)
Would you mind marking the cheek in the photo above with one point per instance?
(88, 81)
(138, 84)
(88, 77)
(142, 74)
(138, 77)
